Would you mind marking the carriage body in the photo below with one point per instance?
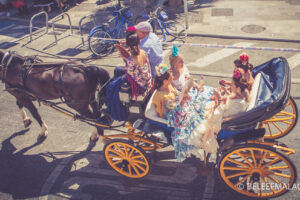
(245, 161)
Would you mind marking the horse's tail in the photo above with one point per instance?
(98, 75)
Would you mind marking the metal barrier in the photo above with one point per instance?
(57, 19)
(34, 16)
(80, 22)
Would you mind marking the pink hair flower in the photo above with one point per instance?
(236, 74)
(131, 29)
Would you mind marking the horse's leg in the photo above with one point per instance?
(26, 120)
(84, 109)
(34, 112)
(95, 107)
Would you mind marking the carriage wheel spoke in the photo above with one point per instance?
(238, 174)
(235, 168)
(140, 162)
(275, 124)
(270, 163)
(284, 113)
(269, 128)
(262, 159)
(137, 165)
(136, 170)
(281, 175)
(253, 158)
(238, 163)
(117, 162)
(259, 188)
(241, 181)
(130, 153)
(112, 156)
(129, 170)
(287, 122)
(116, 152)
(120, 150)
(272, 179)
(137, 156)
(250, 164)
(267, 183)
(279, 167)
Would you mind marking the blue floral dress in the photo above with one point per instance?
(185, 118)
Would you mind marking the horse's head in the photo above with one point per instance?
(10, 62)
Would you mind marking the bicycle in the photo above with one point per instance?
(159, 17)
(102, 38)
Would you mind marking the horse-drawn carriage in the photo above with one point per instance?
(250, 166)
(254, 165)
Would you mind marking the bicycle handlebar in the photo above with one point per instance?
(154, 14)
(120, 10)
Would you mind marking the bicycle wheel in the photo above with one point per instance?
(126, 159)
(175, 29)
(283, 122)
(100, 44)
(257, 171)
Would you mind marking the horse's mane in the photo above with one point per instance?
(18, 56)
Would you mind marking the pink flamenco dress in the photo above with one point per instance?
(139, 78)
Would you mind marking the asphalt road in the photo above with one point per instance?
(64, 166)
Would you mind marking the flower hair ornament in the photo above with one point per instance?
(131, 29)
(161, 69)
(237, 74)
(175, 51)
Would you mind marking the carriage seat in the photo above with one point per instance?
(254, 91)
(150, 112)
(127, 99)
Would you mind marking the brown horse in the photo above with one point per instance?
(73, 83)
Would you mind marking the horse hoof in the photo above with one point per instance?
(94, 140)
(27, 123)
(42, 137)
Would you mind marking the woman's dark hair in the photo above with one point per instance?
(241, 83)
(159, 80)
(238, 63)
(133, 41)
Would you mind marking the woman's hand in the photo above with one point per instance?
(123, 52)
(185, 99)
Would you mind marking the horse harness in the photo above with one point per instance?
(61, 82)
(6, 60)
(28, 65)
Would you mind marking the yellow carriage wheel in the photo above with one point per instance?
(126, 159)
(283, 122)
(257, 171)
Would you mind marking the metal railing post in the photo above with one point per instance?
(80, 21)
(56, 19)
(34, 16)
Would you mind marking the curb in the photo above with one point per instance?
(242, 37)
(62, 26)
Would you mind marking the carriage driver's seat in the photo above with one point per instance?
(129, 101)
